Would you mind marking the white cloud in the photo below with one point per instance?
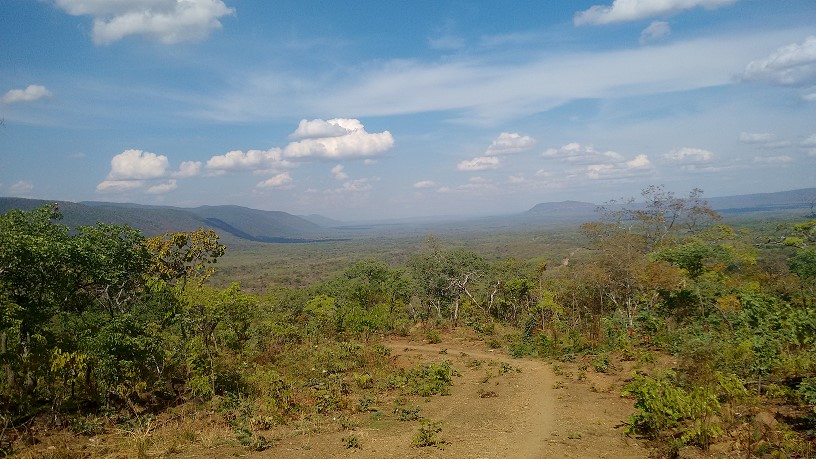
(763, 139)
(655, 31)
(479, 163)
(338, 173)
(354, 143)
(791, 65)
(809, 142)
(780, 159)
(21, 188)
(29, 94)
(424, 184)
(633, 10)
(278, 181)
(640, 162)
(689, 155)
(510, 142)
(137, 165)
(596, 164)
(162, 188)
(118, 186)
(582, 154)
(188, 169)
(166, 21)
(369, 162)
(250, 160)
(321, 128)
(516, 179)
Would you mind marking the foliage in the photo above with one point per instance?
(428, 434)
(431, 379)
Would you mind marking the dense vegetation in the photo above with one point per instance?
(102, 327)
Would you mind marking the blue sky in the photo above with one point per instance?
(362, 110)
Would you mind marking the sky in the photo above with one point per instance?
(379, 109)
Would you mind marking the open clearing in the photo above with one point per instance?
(519, 409)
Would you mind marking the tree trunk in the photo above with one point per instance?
(10, 376)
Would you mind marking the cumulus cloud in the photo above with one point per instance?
(655, 31)
(162, 188)
(188, 169)
(633, 10)
(137, 165)
(763, 139)
(597, 164)
(337, 172)
(29, 94)
(321, 128)
(689, 155)
(424, 184)
(166, 21)
(791, 65)
(135, 169)
(118, 186)
(582, 154)
(21, 188)
(479, 163)
(510, 142)
(278, 181)
(355, 142)
(640, 162)
(237, 160)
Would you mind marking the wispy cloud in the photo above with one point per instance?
(486, 89)
(763, 140)
(655, 31)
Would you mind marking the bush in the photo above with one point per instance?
(431, 379)
(428, 434)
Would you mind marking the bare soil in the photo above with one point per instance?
(526, 412)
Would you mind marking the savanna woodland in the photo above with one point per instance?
(120, 345)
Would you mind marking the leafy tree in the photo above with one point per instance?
(443, 277)
(661, 215)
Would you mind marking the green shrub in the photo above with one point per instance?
(428, 434)
(431, 379)
(352, 442)
(601, 364)
(407, 414)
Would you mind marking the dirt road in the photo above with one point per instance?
(499, 407)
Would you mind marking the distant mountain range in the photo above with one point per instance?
(241, 222)
(275, 226)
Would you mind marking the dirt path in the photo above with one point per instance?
(499, 407)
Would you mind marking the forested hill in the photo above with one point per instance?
(241, 222)
(802, 198)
